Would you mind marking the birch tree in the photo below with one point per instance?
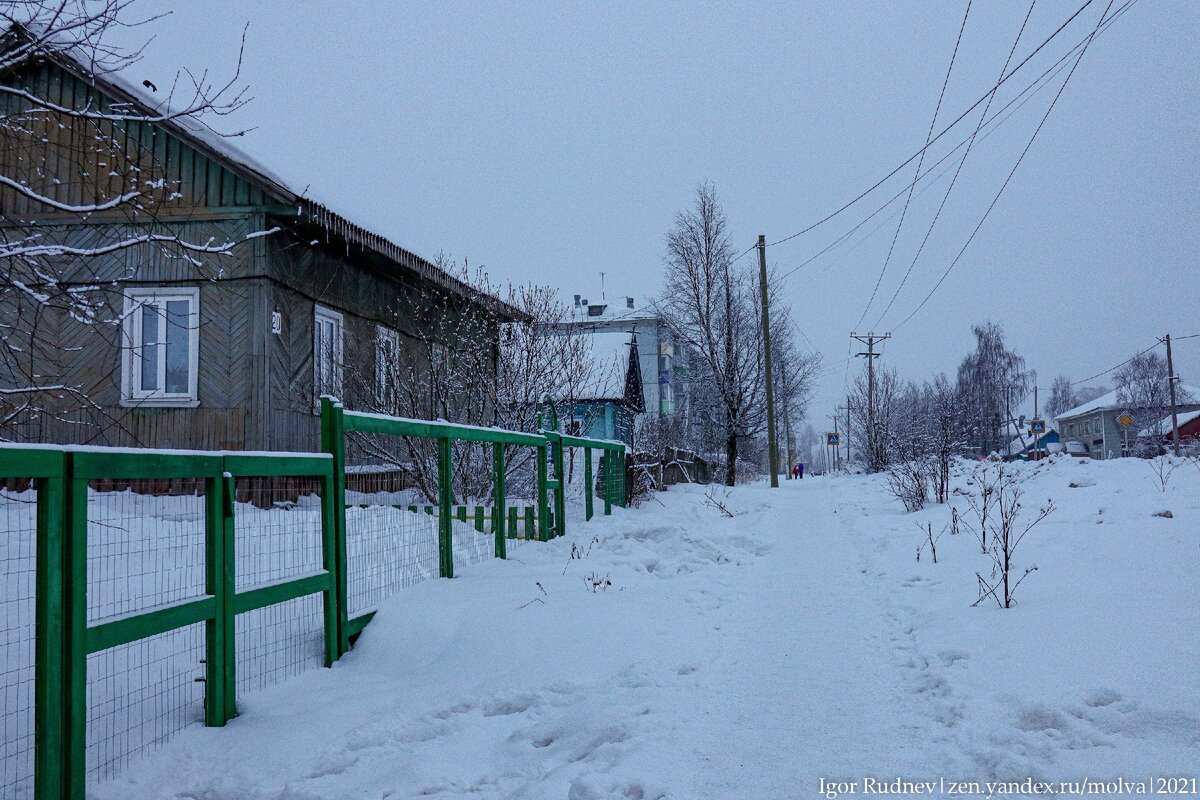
(711, 304)
(990, 380)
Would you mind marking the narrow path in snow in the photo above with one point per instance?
(808, 687)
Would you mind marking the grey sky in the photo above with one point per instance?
(551, 142)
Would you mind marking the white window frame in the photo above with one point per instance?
(387, 349)
(323, 314)
(132, 393)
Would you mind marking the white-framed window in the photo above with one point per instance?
(387, 364)
(327, 353)
(161, 354)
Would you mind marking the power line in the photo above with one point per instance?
(954, 180)
(1012, 172)
(1118, 366)
(1015, 104)
(945, 130)
(921, 160)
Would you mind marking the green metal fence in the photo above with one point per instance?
(144, 591)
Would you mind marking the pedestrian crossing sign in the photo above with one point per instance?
(832, 439)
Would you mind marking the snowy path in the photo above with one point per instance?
(745, 657)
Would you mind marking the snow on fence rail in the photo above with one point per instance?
(143, 591)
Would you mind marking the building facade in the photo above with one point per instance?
(1095, 425)
(659, 369)
(214, 315)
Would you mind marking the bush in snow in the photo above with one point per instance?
(996, 506)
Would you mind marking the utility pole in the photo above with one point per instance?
(772, 455)
(1172, 379)
(847, 410)
(869, 340)
(847, 432)
(837, 448)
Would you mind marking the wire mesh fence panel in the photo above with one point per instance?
(141, 694)
(520, 494)
(277, 529)
(279, 641)
(391, 517)
(145, 545)
(473, 470)
(145, 548)
(18, 552)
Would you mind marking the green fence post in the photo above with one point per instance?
(513, 529)
(74, 608)
(445, 501)
(498, 500)
(530, 529)
(543, 498)
(216, 629)
(333, 441)
(588, 489)
(479, 517)
(329, 540)
(606, 460)
(461, 513)
(623, 484)
(560, 494)
(229, 587)
(50, 697)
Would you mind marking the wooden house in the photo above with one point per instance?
(213, 309)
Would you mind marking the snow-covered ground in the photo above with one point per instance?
(683, 653)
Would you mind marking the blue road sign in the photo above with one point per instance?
(832, 439)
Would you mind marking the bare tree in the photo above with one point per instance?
(794, 374)
(62, 163)
(1063, 397)
(712, 304)
(1143, 388)
(990, 381)
(874, 436)
(464, 366)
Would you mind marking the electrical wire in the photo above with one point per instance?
(1012, 172)
(1003, 115)
(945, 130)
(957, 171)
(921, 160)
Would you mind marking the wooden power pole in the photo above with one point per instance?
(869, 340)
(1171, 381)
(772, 455)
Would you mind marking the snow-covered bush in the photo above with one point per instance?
(995, 503)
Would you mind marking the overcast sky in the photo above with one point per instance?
(551, 142)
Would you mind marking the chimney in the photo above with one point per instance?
(577, 300)
(629, 302)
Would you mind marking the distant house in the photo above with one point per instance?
(1189, 428)
(1029, 447)
(1094, 425)
(610, 398)
(662, 373)
(221, 351)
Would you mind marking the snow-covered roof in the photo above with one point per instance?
(1104, 401)
(203, 138)
(1165, 425)
(1110, 402)
(615, 310)
(609, 366)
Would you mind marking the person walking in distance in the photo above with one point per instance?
(800, 470)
